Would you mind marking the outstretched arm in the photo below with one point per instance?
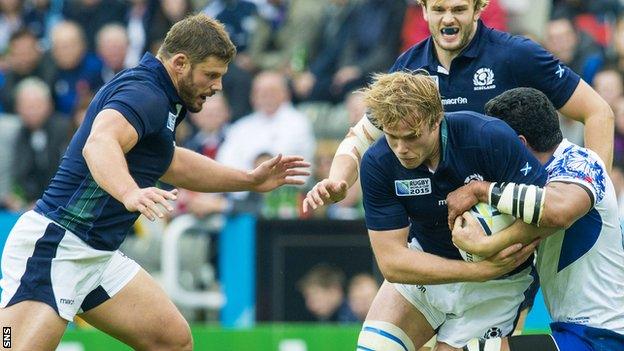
(344, 168)
(192, 171)
(585, 105)
(564, 204)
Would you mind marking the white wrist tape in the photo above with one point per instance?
(519, 200)
(359, 139)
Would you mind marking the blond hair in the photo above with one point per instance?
(404, 96)
(478, 4)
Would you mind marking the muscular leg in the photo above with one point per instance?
(391, 307)
(34, 326)
(142, 316)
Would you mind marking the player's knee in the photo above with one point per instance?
(176, 337)
(378, 335)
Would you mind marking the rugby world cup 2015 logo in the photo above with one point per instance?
(483, 79)
(412, 187)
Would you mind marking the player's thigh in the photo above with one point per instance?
(390, 306)
(34, 325)
(142, 315)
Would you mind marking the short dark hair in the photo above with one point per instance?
(198, 37)
(529, 112)
(322, 275)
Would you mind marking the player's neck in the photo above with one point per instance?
(544, 157)
(446, 57)
(170, 71)
(433, 160)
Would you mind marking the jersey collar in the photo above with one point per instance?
(150, 61)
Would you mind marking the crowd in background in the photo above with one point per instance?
(291, 89)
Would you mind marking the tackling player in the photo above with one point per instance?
(580, 260)
(62, 258)
(406, 175)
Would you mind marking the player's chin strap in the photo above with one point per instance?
(484, 345)
(383, 336)
(519, 200)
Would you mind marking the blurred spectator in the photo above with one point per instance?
(274, 127)
(165, 15)
(77, 73)
(10, 21)
(211, 122)
(138, 19)
(323, 291)
(92, 15)
(237, 89)
(283, 39)
(112, 48)
(9, 128)
(354, 103)
(618, 151)
(358, 38)
(239, 18)
(24, 60)
(609, 84)
(617, 177)
(41, 141)
(41, 15)
(577, 50)
(361, 293)
(415, 28)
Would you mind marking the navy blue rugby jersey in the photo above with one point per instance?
(492, 63)
(147, 98)
(474, 146)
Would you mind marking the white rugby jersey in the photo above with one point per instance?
(582, 269)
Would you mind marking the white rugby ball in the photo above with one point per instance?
(492, 222)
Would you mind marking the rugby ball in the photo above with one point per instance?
(491, 221)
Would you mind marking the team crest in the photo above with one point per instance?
(412, 187)
(483, 79)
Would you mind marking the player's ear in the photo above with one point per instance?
(425, 13)
(477, 13)
(523, 140)
(180, 62)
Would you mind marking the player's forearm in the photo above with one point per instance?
(192, 171)
(599, 134)
(108, 167)
(518, 232)
(408, 266)
(344, 167)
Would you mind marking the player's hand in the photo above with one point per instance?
(324, 192)
(461, 200)
(278, 171)
(470, 237)
(151, 202)
(506, 260)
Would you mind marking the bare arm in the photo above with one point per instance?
(565, 203)
(400, 264)
(111, 137)
(585, 105)
(344, 169)
(192, 171)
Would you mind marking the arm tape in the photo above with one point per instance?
(519, 200)
(359, 139)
